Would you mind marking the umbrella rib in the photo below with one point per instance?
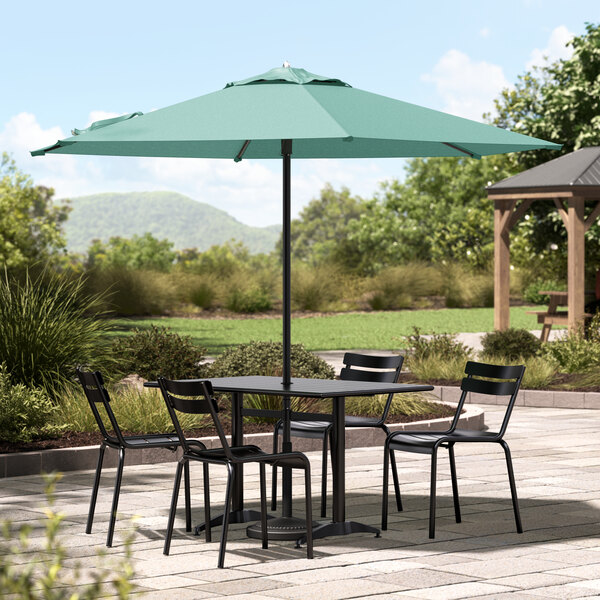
(467, 152)
(240, 154)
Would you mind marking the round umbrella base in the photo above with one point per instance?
(280, 529)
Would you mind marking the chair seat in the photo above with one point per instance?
(423, 442)
(152, 440)
(254, 453)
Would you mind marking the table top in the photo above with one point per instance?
(556, 294)
(310, 388)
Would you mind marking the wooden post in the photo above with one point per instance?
(502, 212)
(576, 261)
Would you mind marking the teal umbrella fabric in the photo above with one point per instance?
(325, 118)
(290, 112)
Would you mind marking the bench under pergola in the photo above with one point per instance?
(570, 181)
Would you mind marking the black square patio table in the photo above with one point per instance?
(287, 527)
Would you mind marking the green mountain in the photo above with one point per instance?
(178, 218)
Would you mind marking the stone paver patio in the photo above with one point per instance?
(557, 466)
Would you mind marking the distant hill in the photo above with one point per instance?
(178, 218)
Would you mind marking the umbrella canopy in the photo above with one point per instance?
(325, 117)
(287, 112)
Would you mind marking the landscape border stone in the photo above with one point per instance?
(85, 457)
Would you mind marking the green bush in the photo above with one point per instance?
(43, 574)
(314, 288)
(511, 344)
(25, 413)
(397, 287)
(202, 295)
(436, 366)
(266, 358)
(250, 300)
(539, 371)
(48, 325)
(441, 345)
(133, 292)
(573, 353)
(158, 351)
(464, 289)
(531, 292)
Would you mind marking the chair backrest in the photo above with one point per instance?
(192, 397)
(389, 368)
(97, 394)
(495, 380)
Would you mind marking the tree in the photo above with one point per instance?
(138, 252)
(30, 225)
(323, 225)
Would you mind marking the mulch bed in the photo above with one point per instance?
(74, 439)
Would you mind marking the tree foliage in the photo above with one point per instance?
(138, 252)
(30, 225)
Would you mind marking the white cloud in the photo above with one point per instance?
(249, 190)
(554, 50)
(466, 86)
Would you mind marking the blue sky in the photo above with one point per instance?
(69, 63)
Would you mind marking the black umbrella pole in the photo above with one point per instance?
(286, 151)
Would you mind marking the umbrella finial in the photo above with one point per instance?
(286, 64)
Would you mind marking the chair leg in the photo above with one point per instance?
(454, 483)
(263, 506)
(432, 494)
(308, 500)
(226, 516)
(324, 478)
(175, 496)
(386, 481)
(513, 487)
(274, 480)
(207, 527)
(394, 474)
(188, 499)
(88, 528)
(115, 502)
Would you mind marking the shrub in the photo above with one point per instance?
(158, 351)
(250, 300)
(511, 344)
(402, 404)
(464, 289)
(573, 353)
(133, 292)
(437, 367)
(202, 295)
(396, 287)
(539, 371)
(266, 358)
(314, 288)
(48, 325)
(25, 412)
(531, 292)
(442, 345)
(44, 576)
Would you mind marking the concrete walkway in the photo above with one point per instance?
(557, 465)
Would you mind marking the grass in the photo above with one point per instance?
(377, 330)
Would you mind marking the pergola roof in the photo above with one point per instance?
(578, 171)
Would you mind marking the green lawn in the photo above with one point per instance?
(377, 330)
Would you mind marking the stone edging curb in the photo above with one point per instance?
(534, 398)
(86, 457)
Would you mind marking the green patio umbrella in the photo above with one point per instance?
(290, 112)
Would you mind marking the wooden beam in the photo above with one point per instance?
(576, 262)
(592, 217)
(562, 211)
(518, 213)
(502, 212)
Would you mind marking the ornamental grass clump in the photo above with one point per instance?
(48, 325)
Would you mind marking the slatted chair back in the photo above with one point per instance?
(496, 380)
(97, 395)
(389, 371)
(192, 397)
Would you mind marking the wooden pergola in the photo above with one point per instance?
(569, 181)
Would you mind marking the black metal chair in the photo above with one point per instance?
(479, 375)
(97, 395)
(196, 397)
(390, 367)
